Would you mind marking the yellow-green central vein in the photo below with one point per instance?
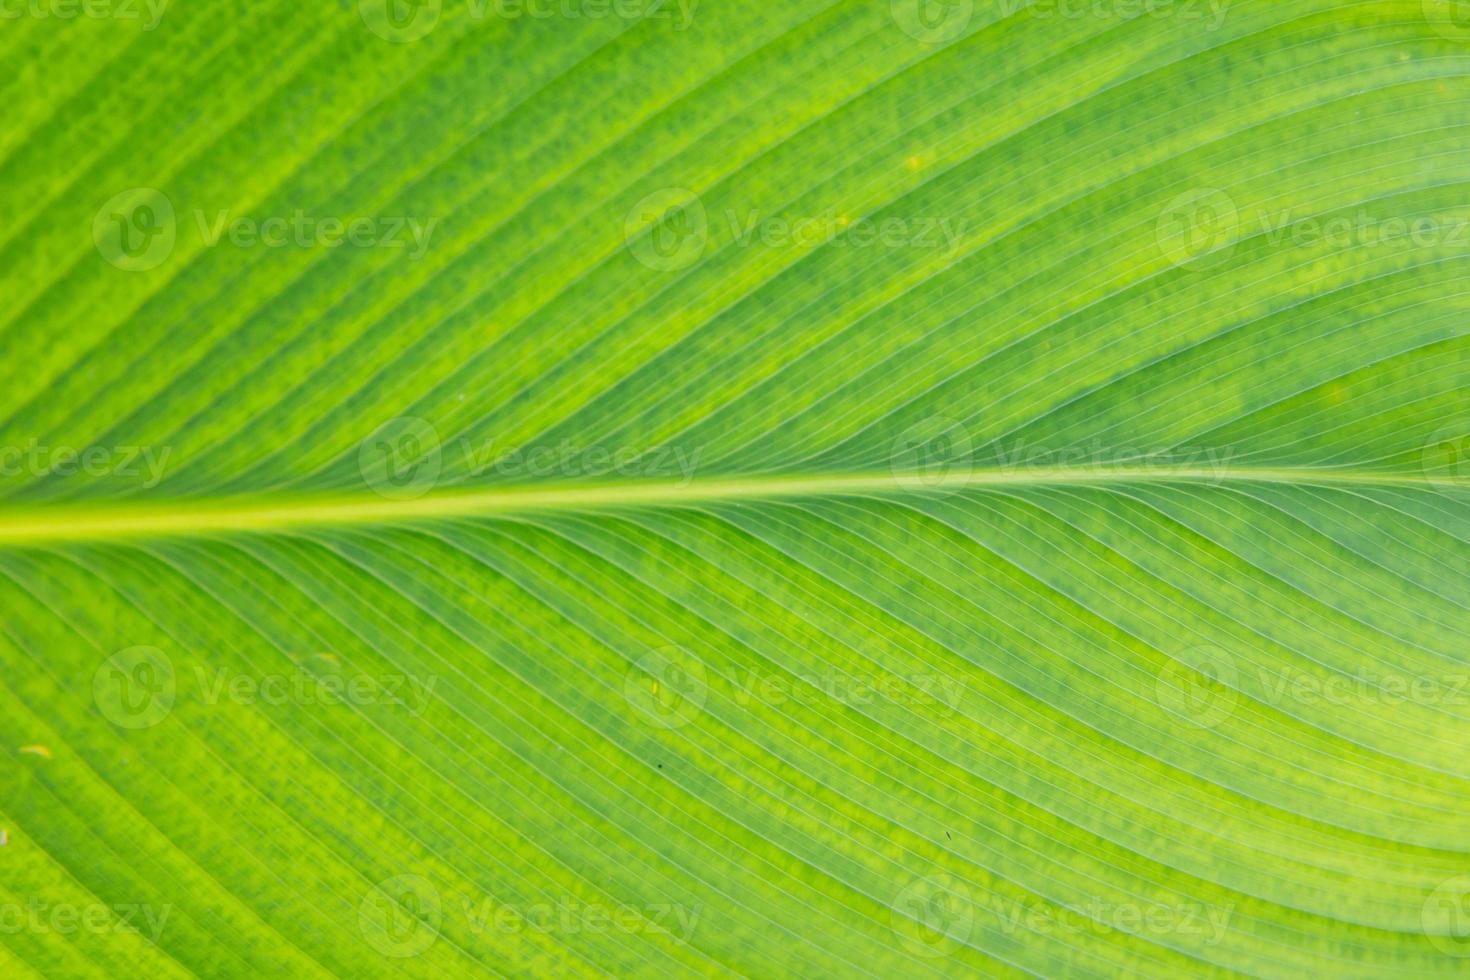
(128, 519)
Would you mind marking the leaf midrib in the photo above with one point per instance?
(194, 517)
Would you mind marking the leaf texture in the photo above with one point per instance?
(811, 489)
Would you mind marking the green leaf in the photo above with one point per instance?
(812, 489)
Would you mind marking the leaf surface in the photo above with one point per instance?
(805, 489)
